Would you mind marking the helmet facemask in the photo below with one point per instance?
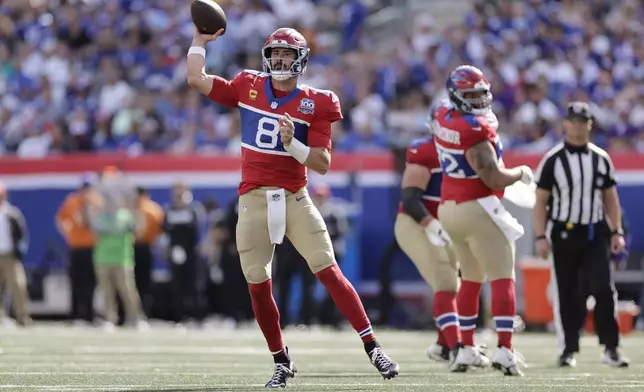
(285, 65)
(476, 101)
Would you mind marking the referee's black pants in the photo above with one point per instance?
(82, 282)
(582, 268)
(143, 262)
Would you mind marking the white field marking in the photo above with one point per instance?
(84, 387)
(167, 336)
(85, 353)
(119, 374)
(216, 350)
(138, 365)
(252, 334)
(429, 383)
(621, 379)
(173, 334)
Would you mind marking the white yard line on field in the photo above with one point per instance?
(113, 387)
(177, 350)
(626, 383)
(94, 387)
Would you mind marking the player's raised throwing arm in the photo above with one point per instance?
(197, 77)
(214, 87)
(483, 159)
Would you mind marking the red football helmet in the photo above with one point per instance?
(469, 90)
(286, 38)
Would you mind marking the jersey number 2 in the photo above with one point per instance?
(270, 129)
(450, 164)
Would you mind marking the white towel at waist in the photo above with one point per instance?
(276, 216)
(510, 227)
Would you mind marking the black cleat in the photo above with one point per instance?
(567, 360)
(283, 371)
(381, 361)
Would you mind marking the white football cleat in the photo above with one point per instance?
(464, 357)
(109, 327)
(438, 353)
(507, 362)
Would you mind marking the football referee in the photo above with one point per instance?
(578, 214)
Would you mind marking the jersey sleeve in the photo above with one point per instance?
(423, 154)
(320, 130)
(481, 130)
(227, 92)
(472, 129)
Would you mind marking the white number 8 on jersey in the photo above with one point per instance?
(269, 127)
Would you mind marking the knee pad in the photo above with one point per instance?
(256, 272)
(320, 260)
(473, 274)
(502, 269)
(445, 279)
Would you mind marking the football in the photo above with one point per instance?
(207, 16)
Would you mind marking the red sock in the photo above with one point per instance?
(468, 309)
(347, 300)
(504, 308)
(441, 338)
(446, 316)
(267, 315)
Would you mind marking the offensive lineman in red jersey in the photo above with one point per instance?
(286, 128)
(422, 237)
(482, 231)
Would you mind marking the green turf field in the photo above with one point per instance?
(59, 358)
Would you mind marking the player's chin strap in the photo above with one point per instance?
(298, 150)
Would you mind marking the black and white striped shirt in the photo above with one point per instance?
(575, 177)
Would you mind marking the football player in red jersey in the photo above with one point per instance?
(422, 237)
(286, 128)
(482, 231)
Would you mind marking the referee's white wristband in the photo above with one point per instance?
(197, 50)
(298, 150)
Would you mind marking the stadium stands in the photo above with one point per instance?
(96, 75)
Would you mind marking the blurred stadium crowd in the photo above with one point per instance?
(107, 75)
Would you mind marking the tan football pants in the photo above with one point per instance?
(480, 246)
(116, 280)
(304, 227)
(437, 265)
(13, 279)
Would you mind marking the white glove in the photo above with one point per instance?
(437, 234)
(526, 174)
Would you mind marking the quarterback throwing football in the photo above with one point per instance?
(285, 129)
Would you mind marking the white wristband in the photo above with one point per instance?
(197, 50)
(298, 150)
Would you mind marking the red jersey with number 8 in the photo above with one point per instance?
(454, 134)
(265, 162)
